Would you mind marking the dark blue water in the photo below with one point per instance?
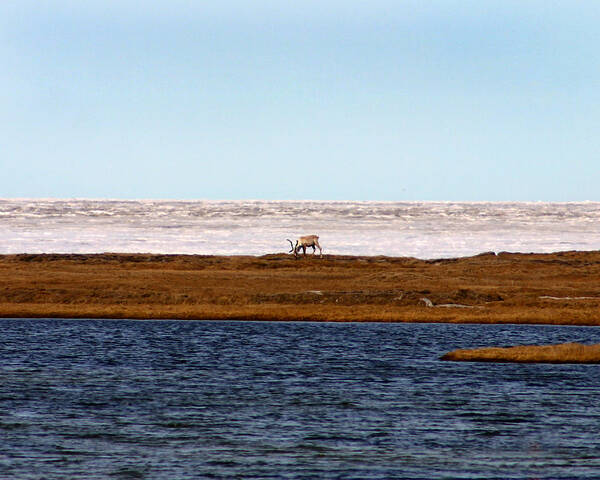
(172, 400)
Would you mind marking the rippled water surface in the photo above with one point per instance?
(171, 399)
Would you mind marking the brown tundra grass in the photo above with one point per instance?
(558, 288)
(563, 353)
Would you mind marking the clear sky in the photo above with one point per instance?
(333, 100)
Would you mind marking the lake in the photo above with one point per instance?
(184, 399)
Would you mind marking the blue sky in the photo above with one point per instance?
(354, 100)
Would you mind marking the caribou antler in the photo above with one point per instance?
(291, 244)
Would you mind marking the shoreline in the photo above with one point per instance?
(561, 288)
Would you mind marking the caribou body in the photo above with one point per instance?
(303, 242)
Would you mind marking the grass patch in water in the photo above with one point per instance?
(561, 353)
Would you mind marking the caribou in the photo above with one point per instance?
(307, 241)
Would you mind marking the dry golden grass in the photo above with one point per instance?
(563, 353)
(560, 288)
